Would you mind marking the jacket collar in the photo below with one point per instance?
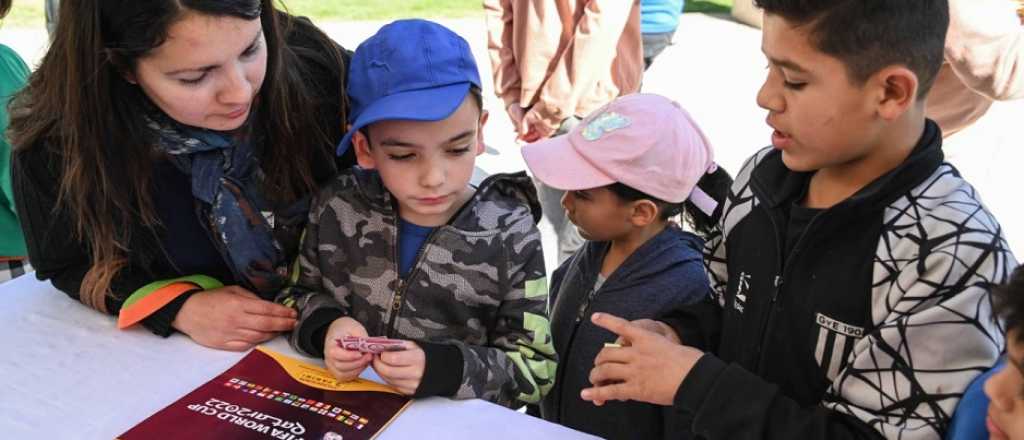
(774, 184)
(652, 257)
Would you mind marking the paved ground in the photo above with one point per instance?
(714, 70)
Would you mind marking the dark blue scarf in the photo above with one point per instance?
(226, 178)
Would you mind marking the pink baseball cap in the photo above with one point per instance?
(644, 141)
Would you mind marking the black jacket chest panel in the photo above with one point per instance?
(798, 315)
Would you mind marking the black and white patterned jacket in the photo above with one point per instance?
(872, 325)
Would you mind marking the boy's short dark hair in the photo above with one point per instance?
(1009, 304)
(869, 35)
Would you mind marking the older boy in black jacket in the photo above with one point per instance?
(853, 267)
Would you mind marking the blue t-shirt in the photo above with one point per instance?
(411, 238)
(969, 418)
(660, 16)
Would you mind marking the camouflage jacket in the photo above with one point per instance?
(478, 283)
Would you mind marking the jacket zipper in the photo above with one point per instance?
(580, 314)
(397, 301)
(778, 282)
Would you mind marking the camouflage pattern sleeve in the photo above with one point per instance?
(518, 366)
(304, 292)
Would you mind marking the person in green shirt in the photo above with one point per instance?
(13, 74)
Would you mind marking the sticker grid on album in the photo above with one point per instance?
(334, 412)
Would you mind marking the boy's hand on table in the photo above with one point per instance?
(648, 367)
(232, 318)
(402, 369)
(345, 365)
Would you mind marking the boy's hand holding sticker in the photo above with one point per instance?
(402, 369)
(399, 363)
(345, 364)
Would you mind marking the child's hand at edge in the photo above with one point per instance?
(402, 369)
(652, 326)
(345, 365)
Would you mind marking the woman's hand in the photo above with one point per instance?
(232, 318)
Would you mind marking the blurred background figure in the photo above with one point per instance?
(984, 60)
(984, 63)
(52, 12)
(556, 61)
(658, 22)
(13, 74)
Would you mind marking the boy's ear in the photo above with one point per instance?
(898, 88)
(480, 146)
(362, 147)
(645, 212)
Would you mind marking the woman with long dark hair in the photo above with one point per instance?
(165, 154)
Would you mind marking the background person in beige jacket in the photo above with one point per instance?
(555, 61)
(984, 62)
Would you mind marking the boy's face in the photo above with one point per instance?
(598, 213)
(821, 119)
(1006, 391)
(426, 165)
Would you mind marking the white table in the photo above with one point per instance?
(67, 372)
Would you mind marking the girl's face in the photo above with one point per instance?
(598, 213)
(208, 71)
(1006, 391)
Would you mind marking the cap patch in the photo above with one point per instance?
(604, 124)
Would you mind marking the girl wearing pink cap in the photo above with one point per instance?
(627, 169)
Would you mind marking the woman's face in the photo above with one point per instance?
(208, 71)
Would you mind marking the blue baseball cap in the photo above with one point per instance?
(413, 70)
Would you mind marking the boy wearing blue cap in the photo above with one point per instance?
(402, 246)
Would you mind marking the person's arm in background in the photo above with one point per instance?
(985, 47)
(500, 41)
(587, 56)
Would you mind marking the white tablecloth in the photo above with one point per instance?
(67, 372)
